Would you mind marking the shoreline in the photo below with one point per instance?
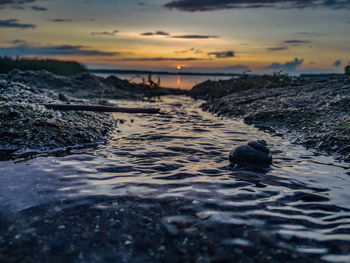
(314, 114)
(28, 128)
(310, 112)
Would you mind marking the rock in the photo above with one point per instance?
(62, 97)
(3, 83)
(55, 122)
(255, 153)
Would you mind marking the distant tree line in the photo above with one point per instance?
(64, 68)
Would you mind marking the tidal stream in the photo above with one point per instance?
(169, 175)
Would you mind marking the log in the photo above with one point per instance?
(98, 108)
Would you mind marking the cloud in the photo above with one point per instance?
(288, 66)
(105, 33)
(160, 59)
(63, 50)
(66, 20)
(280, 48)
(18, 41)
(13, 23)
(185, 51)
(60, 20)
(222, 54)
(162, 33)
(157, 33)
(20, 4)
(194, 36)
(337, 63)
(38, 8)
(190, 50)
(297, 41)
(210, 5)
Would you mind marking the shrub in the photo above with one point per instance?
(347, 70)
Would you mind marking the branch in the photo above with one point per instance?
(70, 107)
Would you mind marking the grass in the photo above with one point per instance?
(58, 67)
(346, 126)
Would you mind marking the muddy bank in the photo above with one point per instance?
(26, 126)
(314, 113)
(86, 85)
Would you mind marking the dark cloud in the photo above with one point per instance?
(337, 63)
(190, 50)
(38, 8)
(18, 42)
(185, 51)
(297, 41)
(147, 34)
(210, 5)
(66, 20)
(162, 33)
(60, 20)
(280, 48)
(288, 66)
(13, 23)
(64, 50)
(222, 54)
(195, 36)
(105, 33)
(160, 59)
(157, 33)
(20, 4)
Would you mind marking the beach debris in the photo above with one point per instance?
(98, 108)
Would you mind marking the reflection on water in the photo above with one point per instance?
(185, 82)
(182, 157)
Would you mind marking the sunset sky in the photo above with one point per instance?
(194, 35)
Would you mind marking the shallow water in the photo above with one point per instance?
(182, 156)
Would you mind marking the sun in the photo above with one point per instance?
(179, 67)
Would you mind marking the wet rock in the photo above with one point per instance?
(3, 83)
(62, 97)
(28, 127)
(314, 113)
(254, 153)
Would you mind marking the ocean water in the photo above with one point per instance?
(185, 82)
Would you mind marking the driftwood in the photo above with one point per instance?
(70, 107)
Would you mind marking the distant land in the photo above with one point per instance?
(146, 72)
(121, 71)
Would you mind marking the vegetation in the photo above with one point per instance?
(346, 126)
(64, 68)
(224, 87)
(153, 84)
(347, 70)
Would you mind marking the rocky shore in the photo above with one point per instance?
(86, 85)
(27, 127)
(314, 113)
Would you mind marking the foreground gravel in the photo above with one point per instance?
(315, 114)
(27, 127)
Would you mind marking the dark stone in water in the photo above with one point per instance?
(254, 155)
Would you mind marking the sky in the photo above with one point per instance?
(230, 36)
